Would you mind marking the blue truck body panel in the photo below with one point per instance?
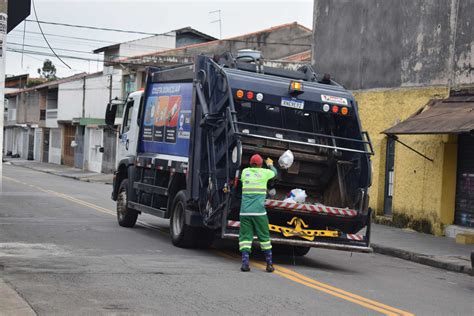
(167, 119)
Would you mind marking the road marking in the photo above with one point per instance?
(279, 270)
(326, 288)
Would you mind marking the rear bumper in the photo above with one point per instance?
(314, 244)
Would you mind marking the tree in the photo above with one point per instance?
(48, 71)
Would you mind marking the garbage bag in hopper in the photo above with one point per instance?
(296, 196)
(286, 160)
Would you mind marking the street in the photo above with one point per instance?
(62, 250)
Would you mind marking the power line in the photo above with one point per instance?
(63, 49)
(167, 34)
(41, 30)
(102, 28)
(14, 50)
(92, 40)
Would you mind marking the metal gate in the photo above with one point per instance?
(389, 172)
(38, 141)
(45, 145)
(110, 145)
(68, 152)
(464, 214)
(79, 150)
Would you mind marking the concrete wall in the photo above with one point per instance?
(147, 45)
(189, 39)
(98, 92)
(70, 97)
(374, 43)
(27, 108)
(423, 190)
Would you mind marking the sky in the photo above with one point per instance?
(154, 16)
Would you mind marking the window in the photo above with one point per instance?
(127, 119)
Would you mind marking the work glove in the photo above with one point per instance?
(269, 162)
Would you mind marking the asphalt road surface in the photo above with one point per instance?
(62, 250)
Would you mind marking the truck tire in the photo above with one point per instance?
(206, 238)
(182, 235)
(126, 217)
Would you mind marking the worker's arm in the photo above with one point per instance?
(270, 166)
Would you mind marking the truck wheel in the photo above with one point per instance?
(126, 217)
(182, 235)
(206, 238)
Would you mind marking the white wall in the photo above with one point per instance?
(70, 95)
(55, 141)
(98, 94)
(8, 140)
(147, 45)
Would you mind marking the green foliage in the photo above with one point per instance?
(48, 71)
(34, 82)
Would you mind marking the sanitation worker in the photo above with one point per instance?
(253, 216)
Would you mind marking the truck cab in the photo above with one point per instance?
(186, 138)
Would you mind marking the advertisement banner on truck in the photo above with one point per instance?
(167, 119)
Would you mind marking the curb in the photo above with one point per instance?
(86, 179)
(423, 259)
(11, 302)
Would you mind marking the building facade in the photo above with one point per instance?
(399, 57)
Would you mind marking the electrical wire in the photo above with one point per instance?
(167, 34)
(102, 28)
(41, 30)
(131, 45)
(63, 49)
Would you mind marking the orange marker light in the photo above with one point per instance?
(240, 94)
(249, 95)
(335, 109)
(344, 111)
(296, 87)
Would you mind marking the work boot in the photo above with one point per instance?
(244, 268)
(270, 268)
(269, 260)
(245, 262)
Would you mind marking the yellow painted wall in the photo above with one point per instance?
(423, 190)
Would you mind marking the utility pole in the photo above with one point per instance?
(219, 20)
(3, 44)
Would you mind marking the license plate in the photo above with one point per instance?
(292, 103)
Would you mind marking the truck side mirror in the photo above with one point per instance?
(110, 112)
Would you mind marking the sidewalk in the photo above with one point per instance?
(439, 252)
(63, 171)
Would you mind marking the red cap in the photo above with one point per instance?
(256, 160)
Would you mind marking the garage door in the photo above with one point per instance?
(464, 214)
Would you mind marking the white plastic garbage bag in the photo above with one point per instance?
(286, 159)
(296, 196)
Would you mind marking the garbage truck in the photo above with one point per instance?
(186, 137)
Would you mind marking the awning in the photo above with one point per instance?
(447, 116)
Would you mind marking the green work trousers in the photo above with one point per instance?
(250, 225)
